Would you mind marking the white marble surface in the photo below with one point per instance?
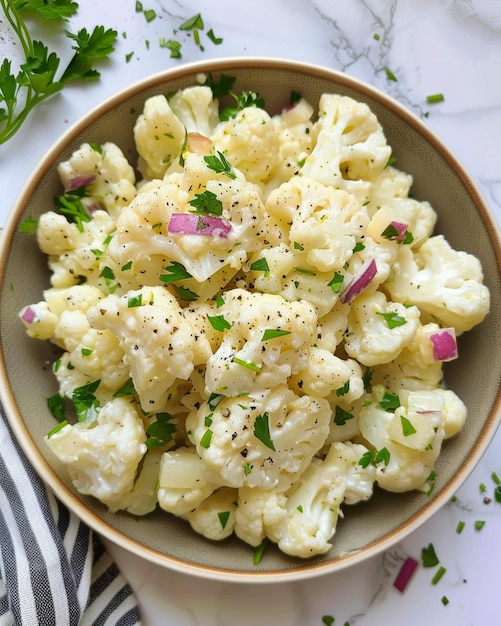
(448, 46)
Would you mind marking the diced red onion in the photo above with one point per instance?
(195, 224)
(444, 344)
(360, 281)
(80, 181)
(405, 573)
(400, 229)
(29, 315)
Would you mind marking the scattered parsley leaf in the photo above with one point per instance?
(84, 399)
(272, 333)
(328, 620)
(219, 164)
(429, 557)
(336, 282)
(175, 271)
(221, 87)
(390, 75)
(185, 294)
(243, 100)
(195, 22)
(261, 265)
(126, 390)
(207, 203)
(390, 402)
(161, 431)
(57, 428)
(392, 319)
(407, 427)
(382, 456)
(262, 430)
(219, 322)
(223, 516)
(366, 458)
(134, 301)
(56, 405)
(341, 416)
(215, 40)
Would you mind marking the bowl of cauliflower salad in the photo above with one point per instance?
(261, 295)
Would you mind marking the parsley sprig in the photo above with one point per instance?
(37, 78)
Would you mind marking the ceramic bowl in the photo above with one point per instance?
(368, 528)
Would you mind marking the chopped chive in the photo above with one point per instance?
(436, 97)
(440, 572)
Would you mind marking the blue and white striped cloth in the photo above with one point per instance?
(54, 571)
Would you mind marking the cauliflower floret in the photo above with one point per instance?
(324, 221)
(104, 171)
(258, 511)
(40, 322)
(265, 440)
(183, 483)
(145, 229)
(214, 518)
(196, 109)
(252, 142)
(359, 479)
(159, 136)
(378, 330)
(290, 277)
(72, 252)
(143, 497)
(441, 281)
(261, 347)
(326, 372)
(55, 235)
(454, 413)
(313, 507)
(401, 220)
(293, 127)
(350, 147)
(411, 437)
(103, 456)
(155, 336)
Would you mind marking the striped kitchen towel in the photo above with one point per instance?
(54, 570)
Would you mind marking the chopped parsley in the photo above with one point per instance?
(272, 333)
(57, 406)
(206, 438)
(261, 265)
(207, 203)
(219, 322)
(185, 294)
(248, 364)
(85, 400)
(219, 164)
(429, 557)
(262, 430)
(407, 427)
(161, 431)
(243, 100)
(389, 402)
(392, 319)
(175, 271)
(336, 282)
(223, 516)
(341, 416)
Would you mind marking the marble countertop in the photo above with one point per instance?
(447, 46)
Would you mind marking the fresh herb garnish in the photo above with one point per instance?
(272, 333)
(206, 438)
(84, 399)
(261, 265)
(161, 431)
(429, 557)
(341, 416)
(223, 516)
(407, 427)
(37, 77)
(207, 203)
(221, 87)
(389, 402)
(56, 405)
(219, 322)
(262, 430)
(392, 319)
(243, 100)
(219, 164)
(336, 282)
(186, 294)
(70, 205)
(175, 271)
(126, 390)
